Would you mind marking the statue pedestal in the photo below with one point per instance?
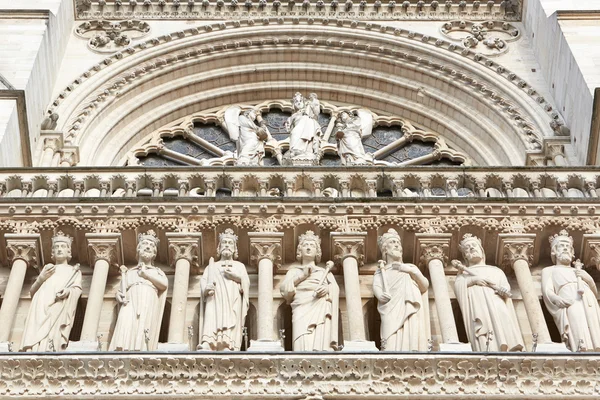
(82, 347)
(359, 346)
(265, 346)
(552, 348)
(455, 347)
(173, 347)
(305, 160)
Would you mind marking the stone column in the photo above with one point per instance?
(432, 252)
(266, 249)
(515, 250)
(349, 250)
(51, 145)
(23, 251)
(556, 152)
(590, 186)
(104, 250)
(185, 250)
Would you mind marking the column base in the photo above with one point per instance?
(359, 346)
(173, 347)
(265, 346)
(552, 348)
(5, 347)
(82, 346)
(455, 347)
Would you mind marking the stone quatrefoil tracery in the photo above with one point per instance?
(393, 145)
(532, 132)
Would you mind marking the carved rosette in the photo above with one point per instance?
(346, 245)
(24, 247)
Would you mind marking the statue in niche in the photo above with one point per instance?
(484, 296)
(400, 290)
(54, 294)
(314, 296)
(225, 291)
(571, 296)
(349, 132)
(305, 131)
(142, 296)
(250, 138)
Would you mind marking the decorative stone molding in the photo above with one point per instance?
(515, 247)
(184, 245)
(24, 247)
(371, 9)
(491, 38)
(266, 247)
(590, 251)
(288, 375)
(373, 42)
(432, 247)
(107, 37)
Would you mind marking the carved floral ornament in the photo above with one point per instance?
(364, 9)
(490, 38)
(109, 36)
(311, 376)
(184, 129)
(77, 118)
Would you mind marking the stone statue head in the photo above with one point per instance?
(309, 245)
(472, 250)
(61, 247)
(561, 248)
(228, 244)
(344, 116)
(390, 246)
(251, 114)
(298, 101)
(147, 247)
(312, 96)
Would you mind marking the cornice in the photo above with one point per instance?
(290, 375)
(408, 10)
(578, 15)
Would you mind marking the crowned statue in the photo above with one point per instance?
(304, 129)
(225, 298)
(314, 296)
(142, 297)
(484, 296)
(400, 290)
(571, 296)
(54, 294)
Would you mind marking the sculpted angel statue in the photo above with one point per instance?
(314, 296)
(571, 296)
(250, 138)
(225, 291)
(304, 129)
(54, 294)
(484, 296)
(349, 132)
(399, 289)
(142, 297)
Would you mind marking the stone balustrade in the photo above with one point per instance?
(354, 182)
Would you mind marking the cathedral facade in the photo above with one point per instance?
(299, 200)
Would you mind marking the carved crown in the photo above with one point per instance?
(309, 236)
(61, 237)
(149, 235)
(563, 235)
(390, 234)
(468, 237)
(228, 234)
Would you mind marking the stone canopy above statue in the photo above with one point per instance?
(303, 131)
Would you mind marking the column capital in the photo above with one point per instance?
(590, 250)
(348, 244)
(24, 246)
(432, 246)
(104, 246)
(184, 245)
(266, 245)
(513, 247)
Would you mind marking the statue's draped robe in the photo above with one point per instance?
(143, 310)
(483, 310)
(223, 314)
(49, 318)
(581, 320)
(304, 131)
(314, 319)
(350, 147)
(404, 318)
(250, 148)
